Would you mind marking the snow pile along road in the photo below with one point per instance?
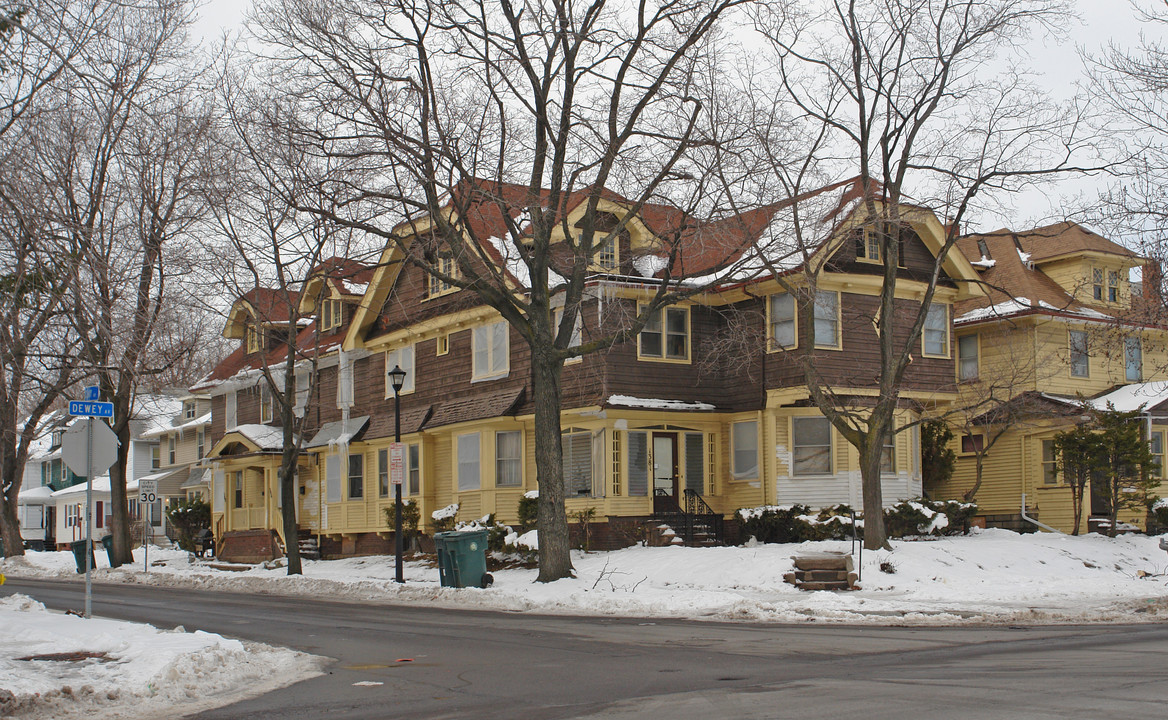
(62, 666)
(990, 576)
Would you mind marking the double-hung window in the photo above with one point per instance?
(967, 351)
(782, 321)
(1050, 475)
(1080, 359)
(413, 469)
(356, 476)
(508, 460)
(265, 402)
(666, 335)
(1112, 286)
(1133, 360)
(936, 331)
(171, 449)
(383, 473)
(744, 437)
(468, 462)
(827, 325)
(1097, 283)
(577, 455)
(1156, 448)
(403, 358)
(810, 446)
(490, 350)
(445, 265)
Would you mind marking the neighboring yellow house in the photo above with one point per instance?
(1061, 321)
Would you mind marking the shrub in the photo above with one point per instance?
(925, 517)
(411, 516)
(444, 519)
(793, 523)
(1158, 517)
(528, 511)
(585, 518)
(189, 517)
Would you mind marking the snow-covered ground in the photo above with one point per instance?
(993, 576)
(61, 666)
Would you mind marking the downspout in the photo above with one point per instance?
(1031, 520)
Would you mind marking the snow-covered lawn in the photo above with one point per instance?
(54, 665)
(993, 576)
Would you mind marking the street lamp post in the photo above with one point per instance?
(397, 378)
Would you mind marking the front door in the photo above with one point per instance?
(665, 472)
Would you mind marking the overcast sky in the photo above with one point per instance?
(1059, 64)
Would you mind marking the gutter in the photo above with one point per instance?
(1031, 520)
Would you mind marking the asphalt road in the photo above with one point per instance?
(471, 664)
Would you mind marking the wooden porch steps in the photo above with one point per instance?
(823, 571)
(309, 550)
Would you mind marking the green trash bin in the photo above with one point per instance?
(462, 558)
(107, 542)
(79, 549)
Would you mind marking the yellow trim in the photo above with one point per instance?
(442, 344)
(771, 346)
(663, 311)
(495, 459)
(957, 358)
(948, 333)
(443, 324)
(812, 413)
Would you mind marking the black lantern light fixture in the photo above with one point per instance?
(397, 379)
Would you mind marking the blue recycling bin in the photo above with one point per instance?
(79, 549)
(462, 558)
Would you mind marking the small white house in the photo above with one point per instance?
(69, 509)
(33, 508)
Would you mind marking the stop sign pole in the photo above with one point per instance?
(85, 463)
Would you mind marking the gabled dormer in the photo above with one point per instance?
(259, 319)
(332, 293)
(1090, 268)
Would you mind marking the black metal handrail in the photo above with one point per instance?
(695, 504)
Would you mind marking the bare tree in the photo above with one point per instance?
(125, 158)
(420, 115)
(901, 96)
(39, 42)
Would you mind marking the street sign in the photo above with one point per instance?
(92, 394)
(396, 462)
(104, 451)
(91, 409)
(147, 491)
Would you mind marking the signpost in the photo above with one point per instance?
(89, 448)
(396, 462)
(147, 494)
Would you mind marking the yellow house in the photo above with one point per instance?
(1061, 321)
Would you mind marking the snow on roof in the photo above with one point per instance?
(100, 485)
(1019, 305)
(984, 263)
(338, 432)
(34, 496)
(353, 288)
(515, 266)
(656, 404)
(189, 425)
(265, 437)
(1131, 397)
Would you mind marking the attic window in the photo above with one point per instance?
(445, 265)
(330, 314)
(606, 254)
(1112, 286)
(868, 245)
(255, 339)
(983, 248)
(189, 410)
(1097, 283)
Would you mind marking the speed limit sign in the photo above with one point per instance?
(147, 491)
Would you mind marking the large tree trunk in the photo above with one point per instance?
(10, 480)
(555, 561)
(875, 536)
(288, 498)
(119, 503)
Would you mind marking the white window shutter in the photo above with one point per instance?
(333, 479)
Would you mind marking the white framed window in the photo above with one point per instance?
(508, 459)
(665, 335)
(402, 357)
(827, 319)
(967, 356)
(810, 446)
(442, 344)
(1080, 359)
(468, 462)
(1133, 359)
(333, 479)
(302, 389)
(782, 321)
(230, 403)
(201, 443)
(868, 245)
(1156, 448)
(1050, 474)
(935, 335)
(155, 458)
(490, 348)
(744, 446)
(189, 410)
(171, 449)
(888, 456)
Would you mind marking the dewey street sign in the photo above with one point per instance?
(91, 409)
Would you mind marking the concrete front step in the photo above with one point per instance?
(823, 571)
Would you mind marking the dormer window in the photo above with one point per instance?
(189, 410)
(445, 265)
(606, 254)
(1112, 286)
(255, 339)
(330, 314)
(1097, 284)
(868, 246)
